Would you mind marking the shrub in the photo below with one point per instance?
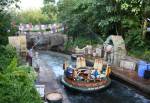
(146, 55)
(7, 54)
(141, 54)
(16, 82)
(82, 42)
(17, 85)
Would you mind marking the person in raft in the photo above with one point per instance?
(95, 74)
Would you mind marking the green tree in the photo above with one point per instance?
(50, 9)
(106, 17)
(33, 16)
(6, 28)
(77, 16)
(5, 4)
(6, 55)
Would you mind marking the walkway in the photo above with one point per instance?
(132, 78)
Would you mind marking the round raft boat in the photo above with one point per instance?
(86, 79)
(86, 86)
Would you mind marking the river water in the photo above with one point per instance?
(116, 93)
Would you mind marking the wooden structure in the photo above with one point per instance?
(23, 44)
(132, 78)
(128, 63)
(15, 42)
(19, 42)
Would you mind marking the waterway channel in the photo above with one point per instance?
(116, 93)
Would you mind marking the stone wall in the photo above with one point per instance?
(45, 40)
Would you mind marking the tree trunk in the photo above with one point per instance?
(144, 29)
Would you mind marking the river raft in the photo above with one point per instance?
(84, 78)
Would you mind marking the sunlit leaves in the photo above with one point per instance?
(133, 6)
(48, 1)
(51, 11)
(34, 16)
(109, 9)
(124, 6)
(4, 4)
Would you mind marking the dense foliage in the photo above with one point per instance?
(6, 55)
(16, 82)
(92, 18)
(105, 17)
(50, 9)
(6, 4)
(34, 16)
(45, 15)
(6, 26)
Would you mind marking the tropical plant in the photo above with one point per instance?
(7, 53)
(17, 85)
(16, 82)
